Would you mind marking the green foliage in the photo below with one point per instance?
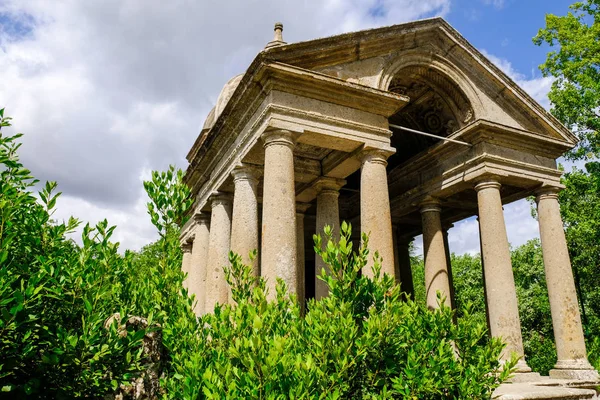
(575, 93)
(362, 341)
(55, 296)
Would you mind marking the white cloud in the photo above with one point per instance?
(108, 89)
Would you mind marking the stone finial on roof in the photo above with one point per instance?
(278, 38)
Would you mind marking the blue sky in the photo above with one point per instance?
(505, 28)
(108, 90)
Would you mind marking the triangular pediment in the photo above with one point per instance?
(404, 58)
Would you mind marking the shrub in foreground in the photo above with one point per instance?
(365, 340)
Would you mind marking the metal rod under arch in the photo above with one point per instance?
(429, 134)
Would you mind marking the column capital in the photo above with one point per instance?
(548, 192)
(430, 204)
(488, 183)
(220, 198)
(325, 184)
(280, 137)
(186, 247)
(246, 173)
(376, 156)
(301, 208)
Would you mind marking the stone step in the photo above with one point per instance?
(528, 391)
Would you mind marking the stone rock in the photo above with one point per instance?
(146, 386)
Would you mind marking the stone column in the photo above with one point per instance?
(197, 274)
(500, 290)
(300, 258)
(375, 215)
(279, 247)
(436, 268)
(244, 220)
(449, 264)
(217, 288)
(328, 213)
(404, 267)
(186, 249)
(566, 321)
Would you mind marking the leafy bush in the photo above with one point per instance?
(364, 340)
(55, 296)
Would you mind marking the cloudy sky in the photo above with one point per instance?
(107, 91)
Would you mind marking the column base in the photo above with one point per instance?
(576, 372)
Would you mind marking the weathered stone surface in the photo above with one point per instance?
(217, 289)
(501, 296)
(328, 214)
(525, 391)
(436, 265)
(244, 220)
(279, 243)
(199, 260)
(146, 386)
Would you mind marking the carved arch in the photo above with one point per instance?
(442, 101)
(433, 62)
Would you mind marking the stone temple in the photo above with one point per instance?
(402, 131)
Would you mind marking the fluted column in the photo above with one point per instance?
(404, 267)
(568, 332)
(500, 290)
(279, 247)
(375, 215)
(217, 288)
(244, 220)
(328, 213)
(186, 249)
(436, 268)
(300, 257)
(197, 273)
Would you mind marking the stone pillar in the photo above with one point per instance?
(197, 274)
(244, 220)
(300, 257)
(279, 247)
(449, 264)
(436, 269)
(328, 213)
(186, 249)
(503, 310)
(566, 321)
(375, 215)
(217, 288)
(404, 267)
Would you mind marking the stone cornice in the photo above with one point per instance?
(475, 170)
(482, 131)
(518, 139)
(318, 86)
